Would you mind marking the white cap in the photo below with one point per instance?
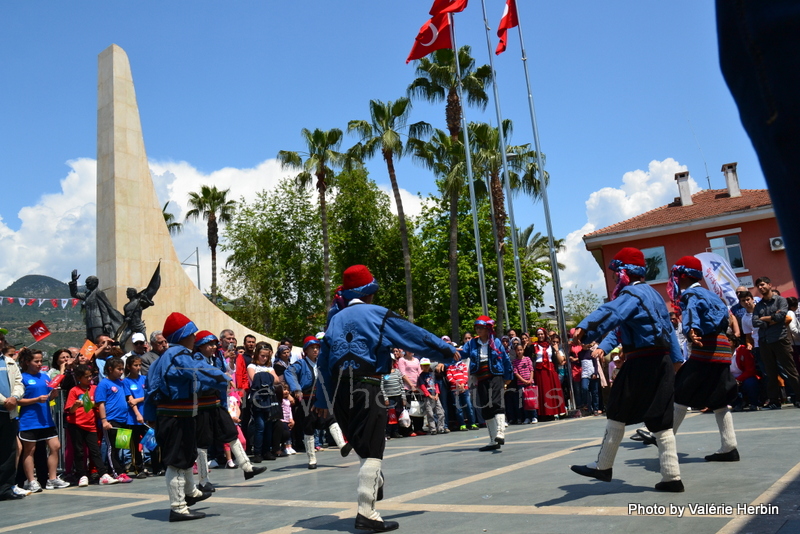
(616, 358)
(424, 361)
(138, 336)
(320, 335)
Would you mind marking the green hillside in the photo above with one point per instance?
(66, 324)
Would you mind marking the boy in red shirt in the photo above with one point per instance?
(82, 426)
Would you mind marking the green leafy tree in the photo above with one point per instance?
(536, 247)
(580, 303)
(431, 272)
(437, 81)
(383, 133)
(173, 225)
(364, 231)
(321, 157)
(215, 208)
(275, 263)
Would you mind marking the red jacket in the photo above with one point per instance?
(746, 362)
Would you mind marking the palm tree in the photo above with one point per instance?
(535, 248)
(215, 207)
(437, 81)
(321, 157)
(173, 225)
(383, 132)
(488, 160)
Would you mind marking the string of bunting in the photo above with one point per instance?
(22, 301)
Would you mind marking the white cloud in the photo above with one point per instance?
(412, 204)
(58, 234)
(640, 191)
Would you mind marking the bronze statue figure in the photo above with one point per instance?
(100, 316)
(137, 302)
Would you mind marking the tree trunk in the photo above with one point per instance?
(455, 334)
(453, 118)
(212, 244)
(401, 216)
(326, 265)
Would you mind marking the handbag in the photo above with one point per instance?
(530, 397)
(392, 416)
(415, 408)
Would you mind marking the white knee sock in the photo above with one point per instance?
(500, 421)
(310, 450)
(668, 455)
(336, 432)
(202, 466)
(611, 440)
(175, 487)
(679, 412)
(491, 426)
(369, 480)
(725, 424)
(239, 456)
(189, 489)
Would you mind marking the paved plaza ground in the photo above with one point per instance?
(442, 484)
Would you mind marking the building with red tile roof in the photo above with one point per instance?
(738, 224)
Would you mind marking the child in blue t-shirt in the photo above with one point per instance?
(36, 421)
(110, 399)
(134, 394)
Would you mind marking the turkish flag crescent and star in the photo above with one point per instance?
(447, 6)
(38, 330)
(434, 35)
(508, 21)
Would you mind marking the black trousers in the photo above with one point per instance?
(362, 415)
(490, 396)
(307, 419)
(85, 439)
(178, 441)
(8, 452)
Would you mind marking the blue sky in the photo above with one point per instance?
(625, 93)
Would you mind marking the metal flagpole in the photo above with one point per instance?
(559, 300)
(506, 184)
(470, 178)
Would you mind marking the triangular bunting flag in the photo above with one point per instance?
(41, 301)
(11, 300)
(54, 302)
(31, 302)
(22, 302)
(64, 303)
(1, 300)
(74, 302)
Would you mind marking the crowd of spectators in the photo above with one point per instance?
(77, 422)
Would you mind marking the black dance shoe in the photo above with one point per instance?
(731, 456)
(254, 472)
(599, 474)
(373, 525)
(175, 516)
(674, 486)
(191, 501)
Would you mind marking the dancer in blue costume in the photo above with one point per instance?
(643, 390)
(489, 364)
(179, 385)
(705, 380)
(355, 354)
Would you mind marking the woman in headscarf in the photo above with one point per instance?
(551, 398)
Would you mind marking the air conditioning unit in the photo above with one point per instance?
(776, 243)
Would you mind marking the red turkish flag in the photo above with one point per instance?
(54, 302)
(74, 302)
(447, 6)
(508, 21)
(31, 302)
(38, 330)
(434, 35)
(11, 300)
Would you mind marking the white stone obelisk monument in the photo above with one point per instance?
(131, 233)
